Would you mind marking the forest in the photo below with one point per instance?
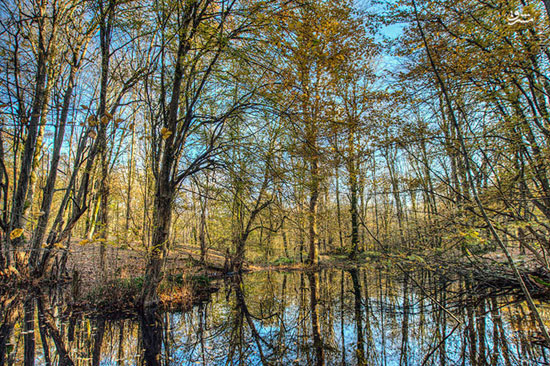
(273, 182)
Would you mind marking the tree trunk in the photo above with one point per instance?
(105, 27)
(338, 209)
(162, 216)
(129, 188)
(547, 6)
(353, 186)
(151, 336)
(313, 254)
(25, 171)
(202, 226)
(28, 327)
(314, 314)
(47, 195)
(360, 344)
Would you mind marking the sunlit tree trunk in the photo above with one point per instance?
(106, 16)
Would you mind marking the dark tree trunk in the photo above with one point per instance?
(25, 171)
(150, 323)
(314, 313)
(162, 217)
(98, 342)
(353, 210)
(360, 349)
(28, 327)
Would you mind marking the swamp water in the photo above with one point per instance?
(363, 316)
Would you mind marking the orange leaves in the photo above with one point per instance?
(9, 272)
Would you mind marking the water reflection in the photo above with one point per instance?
(333, 317)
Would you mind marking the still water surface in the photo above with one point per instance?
(334, 317)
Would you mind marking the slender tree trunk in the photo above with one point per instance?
(29, 341)
(338, 209)
(203, 202)
(547, 6)
(162, 216)
(314, 314)
(43, 338)
(20, 195)
(47, 195)
(313, 254)
(129, 187)
(120, 352)
(360, 344)
(53, 332)
(98, 342)
(9, 315)
(285, 241)
(105, 28)
(396, 195)
(353, 186)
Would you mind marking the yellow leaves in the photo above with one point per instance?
(470, 233)
(16, 233)
(166, 133)
(88, 329)
(83, 242)
(57, 245)
(92, 134)
(92, 121)
(104, 120)
(472, 240)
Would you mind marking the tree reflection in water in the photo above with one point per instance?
(353, 317)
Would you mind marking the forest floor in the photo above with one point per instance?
(124, 268)
(115, 288)
(127, 263)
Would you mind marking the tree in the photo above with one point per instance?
(187, 124)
